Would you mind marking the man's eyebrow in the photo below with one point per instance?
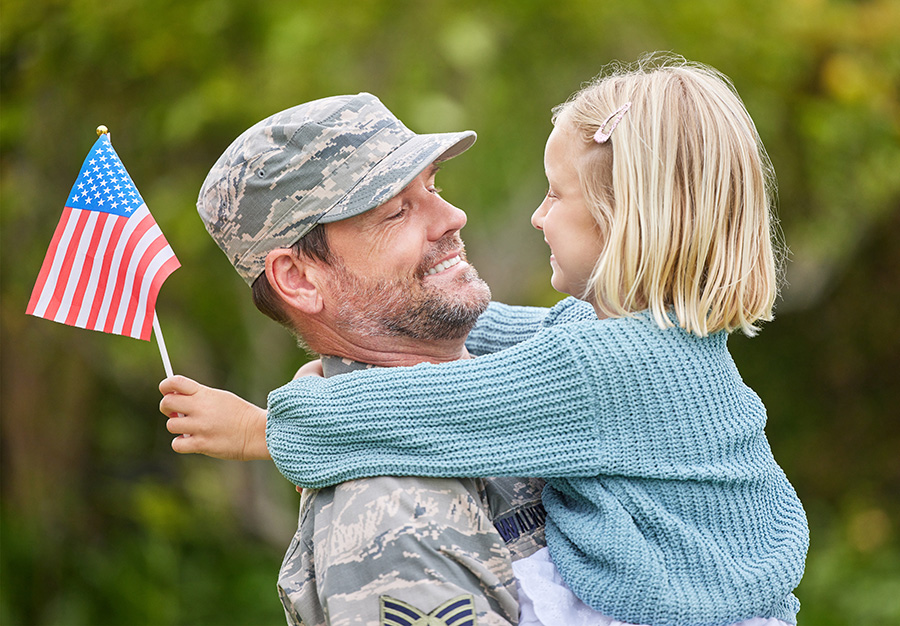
(434, 169)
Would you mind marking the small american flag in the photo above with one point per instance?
(108, 258)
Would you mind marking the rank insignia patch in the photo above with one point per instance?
(460, 611)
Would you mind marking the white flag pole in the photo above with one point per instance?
(162, 346)
(163, 352)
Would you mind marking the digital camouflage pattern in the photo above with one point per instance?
(321, 161)
(369, 551)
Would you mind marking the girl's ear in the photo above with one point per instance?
(294, 280)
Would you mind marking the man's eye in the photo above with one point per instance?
(400, 213)
(435, 189)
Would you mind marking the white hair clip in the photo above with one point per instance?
(610, 123)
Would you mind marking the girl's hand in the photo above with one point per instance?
(213, 422)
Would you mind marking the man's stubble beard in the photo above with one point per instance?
(411, 307)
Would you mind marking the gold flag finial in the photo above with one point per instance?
(102, 130)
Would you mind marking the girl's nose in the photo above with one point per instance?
(537, 218)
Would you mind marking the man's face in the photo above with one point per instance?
(401, 269)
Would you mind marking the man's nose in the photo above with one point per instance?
(445, 219)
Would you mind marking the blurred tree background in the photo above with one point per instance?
(103, 524)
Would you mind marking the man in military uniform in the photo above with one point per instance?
(329, 211)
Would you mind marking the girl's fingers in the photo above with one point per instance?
(184, 444)
(173, 405)
(179, 384)
(176, 425)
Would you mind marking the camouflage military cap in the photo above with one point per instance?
(322, 161)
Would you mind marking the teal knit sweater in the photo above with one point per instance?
(664, 503)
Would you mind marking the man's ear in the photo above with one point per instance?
(294, 279)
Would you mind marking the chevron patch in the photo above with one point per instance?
(460, 611)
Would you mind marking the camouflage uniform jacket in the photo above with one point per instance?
(393, 550)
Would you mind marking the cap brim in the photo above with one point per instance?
(397, 170)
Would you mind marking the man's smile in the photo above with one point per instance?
(443, 265)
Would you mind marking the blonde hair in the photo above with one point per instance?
(683, 194)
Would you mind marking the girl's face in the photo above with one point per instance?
(569, 229)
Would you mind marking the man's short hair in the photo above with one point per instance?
(312, 246)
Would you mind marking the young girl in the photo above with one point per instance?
(664, 502)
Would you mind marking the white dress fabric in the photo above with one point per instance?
(545, 600)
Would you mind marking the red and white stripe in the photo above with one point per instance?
(103, 272)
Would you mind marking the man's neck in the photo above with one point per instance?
(392, 351)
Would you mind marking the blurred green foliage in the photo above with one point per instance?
(103, 524)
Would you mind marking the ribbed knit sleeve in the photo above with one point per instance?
(502, 326)
(571, 401)
(468, 418)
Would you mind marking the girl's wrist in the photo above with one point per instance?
(255, 448)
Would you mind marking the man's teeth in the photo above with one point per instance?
(440, 267)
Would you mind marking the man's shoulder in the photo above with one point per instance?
(396, 488)
(485, 514)
(394, 510)
(398, 539)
